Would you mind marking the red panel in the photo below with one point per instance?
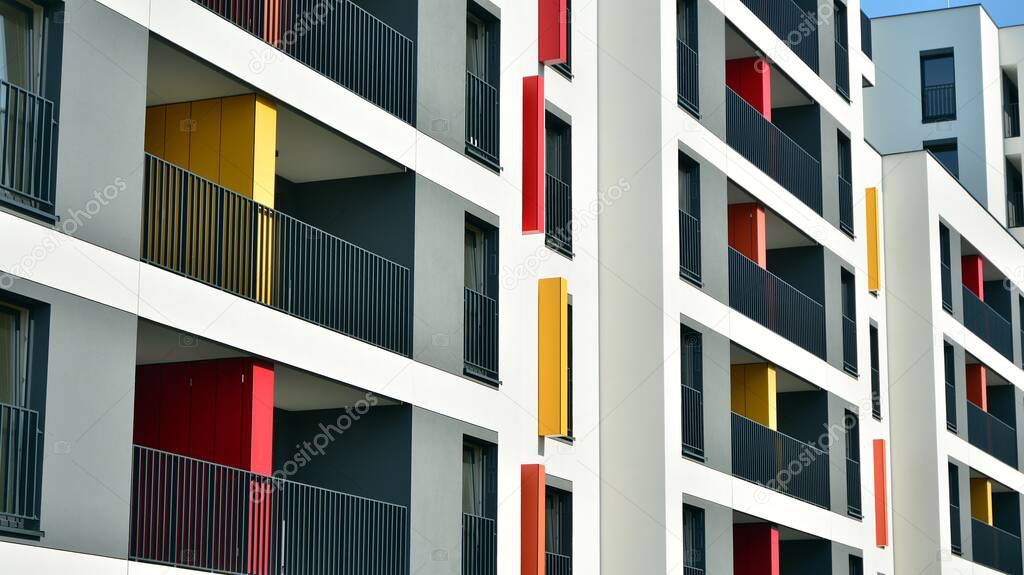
(751, 79)
(175, 401)
(974, 275)
(260, 528)
(755, 549)
(533, 155)
(552, 31)
(259, 418)
(203, 409)
(977, 385)
(147, 406)
(271, 21)
(533, 528)
(228, 427)
(747, 232)
(881, 497)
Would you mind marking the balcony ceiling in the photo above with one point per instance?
(785, 382)
(785, 92)
(779, 232)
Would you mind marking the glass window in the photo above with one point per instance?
(13, 356)
(938, 70)
(693, 537)
(476, 47)
(473, 480)
(558, 522)
(689, 186)
(476, 259)
(16, 27)
(938, 86)
(945, 151)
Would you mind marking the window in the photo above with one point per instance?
(558, 185)
(566, 68)
(842, 51)
(558, 531)
(20, 424)
(479, 479)
(876, 383)
(949, 368)
(689, 220)
(845, 186)
(1014, 197)
(482, 90)
(938, 86)
(692, 394)
(480, 345)
(20, 44)
(853, 495)
(13, 356)
(688, 61)
(954, 508)
(476, 259)
(946, 272)
(849, 295)
(945, 151)
(856, 565)
(481, 46)
(693, 539)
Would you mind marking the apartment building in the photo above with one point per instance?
(945, 112)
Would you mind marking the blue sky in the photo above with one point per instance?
(1005, 12)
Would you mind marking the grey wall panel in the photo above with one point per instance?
(834, 308)
(956, 272)
(826, 41)
(102, 111)
(441, 64)
(711, 48)
(829, 158)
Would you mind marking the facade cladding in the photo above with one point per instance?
(390, 287)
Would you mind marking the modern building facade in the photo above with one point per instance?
(479, 287)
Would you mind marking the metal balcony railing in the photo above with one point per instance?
(845, 205)
(687, 570)
(481, 337)
(479, 545)
(995, 548)
(772, 151)
(779, 462)
(20, 458)
(853, 496)
(987, 324)
(558, 214)
(865, 35)
(849, 344)
(770, 301)
(199, 229)
(951, 406)
(792, 24)
(689, 247)
(842, 70)
(1011, 120)
(954, 529)
(482, 119)
(197, 515)
(557, 564)
(338, 39)
(876, 394)
(688, 77)
(991, 435)
(938, 102)
(29, 151)
(947, 287)
(693, 423)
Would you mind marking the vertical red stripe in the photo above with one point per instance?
(881, 497)
(533, 154)
(755, 549)
(751, 79)
(974, 275)
(977, 385)
(747, 232)
(552, 32)
(533, 495)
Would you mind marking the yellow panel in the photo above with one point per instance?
(265, 152)
(753, 393)
(156, 130)
(176, 137)
(553, 357)
(874, 271)
(238, 119)
(981, 499)
(204, 147)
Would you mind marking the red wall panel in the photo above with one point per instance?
(533, 155)
(147, 406)
(974, 275)
(175, 410)
(747, 232)
(533, 493)
(977, 385)
(755, 549)
(751, 79)
(881, 496)
(552, 32)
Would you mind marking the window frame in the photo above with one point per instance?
(692, 557)
(36, 43)
(935, 147)
(930, 55)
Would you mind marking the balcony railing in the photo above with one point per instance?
(20, 456)
(865, 35)
(482, 119)
(954, 529)
(557, 564)
(1011, 120)
(876, 394)
(849, 344)
(770, 301)
(938, 102)
(842, 70)
(947, 287)
(792, 24)
(768, 458)
(688, 77)
(773, 152)
(558, 215)
(687, 570)
(987, 324)
(995, 548)
(853, 501)
(338, 39)
(198, 515)
(689, 247)
(991, 435)
(481, 337)
(199, 229)
(951, 406)
(479, 545)
(28, 153)
(693, 423)
(845, 205)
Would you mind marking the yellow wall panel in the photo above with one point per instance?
(754, 393)
(874, 247)
(177, 133)
(264, 152)
(238, 118)
(553, 357)
(156, 130)
(981, 499)
(204, 146)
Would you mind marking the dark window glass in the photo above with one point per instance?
(686, 22)
(876, 377)
(693, 537)
(856, 565)
(938, 70)
(16, 63)
(13, 348)
(689, 186)
(945, 151)
(479, 479)
(558, 148)
(566, 68)
(938, 86)
(558, 524)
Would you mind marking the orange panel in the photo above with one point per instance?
(747, 232)
(532, 546)
(881, 497)
(977, 385)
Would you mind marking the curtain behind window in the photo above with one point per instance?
(472, 480)
(16, 43)
(476, 246)
(10, 384)
(476, 48)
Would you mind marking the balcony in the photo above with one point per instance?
(772, 151)
(688, 77)
(938, 103)
(765, 456)
(482, 120)
(990, 434)
(28, 153)
(558, 215)
(792, 24)
(347, 44)
(775, 304)
(197, 515)
(689, 248)
(20, 466)
(987, 324)
(481, 337)
(842, 70)
(196, 228)
(995, 548)
(479, 545)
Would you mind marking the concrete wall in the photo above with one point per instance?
(441, 72)
(84, 355)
